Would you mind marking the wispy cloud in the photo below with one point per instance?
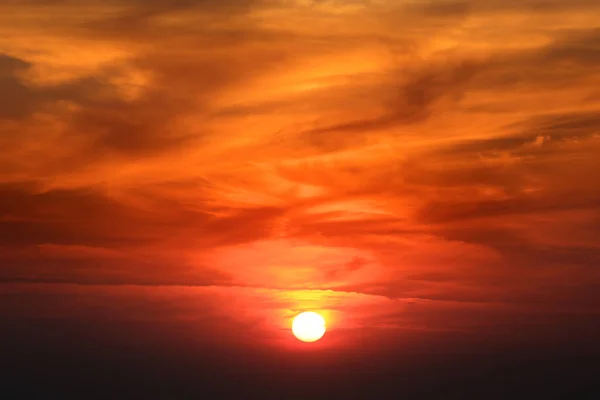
(441, 151)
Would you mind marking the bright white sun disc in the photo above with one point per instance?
(308, 326)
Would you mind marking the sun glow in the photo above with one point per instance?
(308, 326)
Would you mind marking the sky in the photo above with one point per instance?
(179, 179)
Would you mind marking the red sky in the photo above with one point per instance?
(417, 171)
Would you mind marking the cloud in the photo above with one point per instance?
(300, 147)
(18, 104)
(406, 102)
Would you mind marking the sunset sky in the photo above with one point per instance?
(184, 177)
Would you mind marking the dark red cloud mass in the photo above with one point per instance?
(178, 179)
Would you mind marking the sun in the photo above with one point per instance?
(308, 326)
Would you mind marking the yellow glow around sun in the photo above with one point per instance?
(308, 326)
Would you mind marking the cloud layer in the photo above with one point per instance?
(439, 152)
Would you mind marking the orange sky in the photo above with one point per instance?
(404, 167)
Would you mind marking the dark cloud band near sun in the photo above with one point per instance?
(403, 166)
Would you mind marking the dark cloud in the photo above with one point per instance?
(19, 100)
(510, 178)
(93, 218)
(445, 9)
(120, 271)
(92, 236)
(547, 129)
(529, 283)
(460, 7)
(574, 125)
(408, 101)
(581, 47)
(15, 97)
(138, 21)
(67, 217)
(129, 128)
(448, 212)
(571, 58)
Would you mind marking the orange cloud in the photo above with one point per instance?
(409, 166)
